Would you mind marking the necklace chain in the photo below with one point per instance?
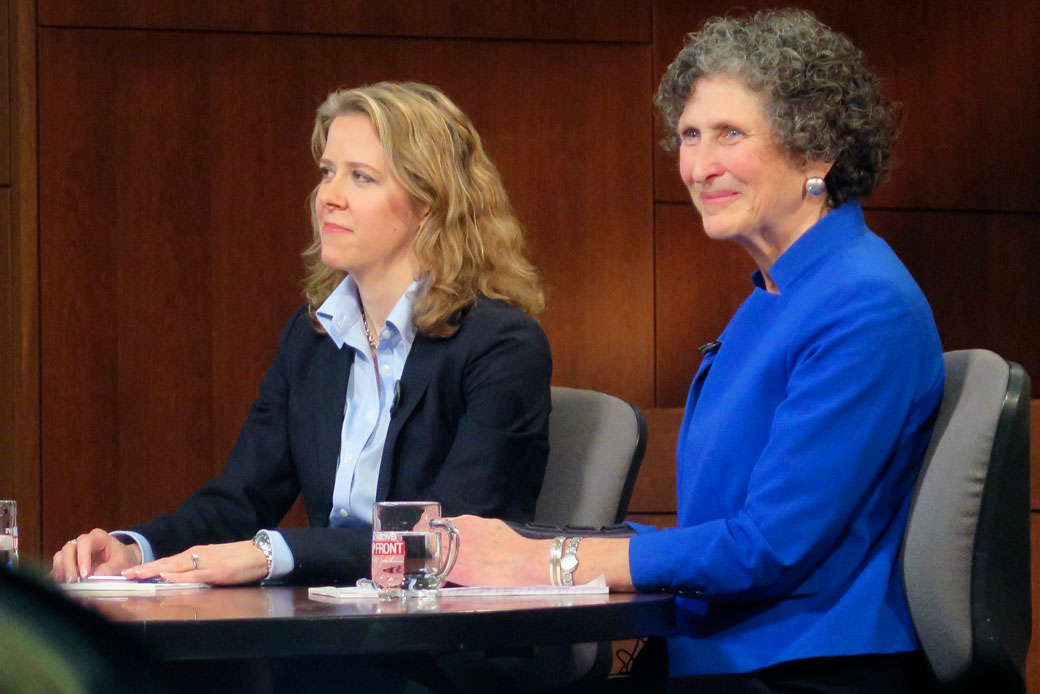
(368, 334)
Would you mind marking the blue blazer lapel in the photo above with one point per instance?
(422, 362)
(330, 397)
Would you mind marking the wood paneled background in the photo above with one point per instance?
(154, 164)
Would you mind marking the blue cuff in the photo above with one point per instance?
(648, 561)
(147, 554)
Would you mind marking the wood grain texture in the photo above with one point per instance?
(655, 486)
(700, 283)
(7, 348)
(975, 269)
(1034, 454)
(557, 20)
(173, 214)
(1033, 656)
(22, 469)
(660, 520)
(5, 100)
(963, 76)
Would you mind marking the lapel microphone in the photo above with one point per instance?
(397, 398)
(707, 347)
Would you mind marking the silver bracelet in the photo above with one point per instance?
(554, 560)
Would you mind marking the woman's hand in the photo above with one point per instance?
(230, 563)
(493, 554)
(96, 552)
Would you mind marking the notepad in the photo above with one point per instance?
(118, 586)
(367, 592)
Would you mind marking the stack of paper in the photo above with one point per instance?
(117, 586)
(366, 592)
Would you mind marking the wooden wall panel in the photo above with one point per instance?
(19, 306)
(655, 486)
(660, 520)
(562, 20)
(5, 101)
(173, 214)
(976, 271)
(700, 283)
(1034, 455)
(79, 316)
(1033, 657)
(7, 350)
(969, 139)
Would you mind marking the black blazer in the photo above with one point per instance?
(470, 430)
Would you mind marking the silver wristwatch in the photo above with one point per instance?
(569, 561)
(262, 541)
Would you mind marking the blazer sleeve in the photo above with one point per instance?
(258, 484)
(496, 463)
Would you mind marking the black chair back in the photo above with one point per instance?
(966, 547)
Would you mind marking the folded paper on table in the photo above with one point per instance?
(366, 592)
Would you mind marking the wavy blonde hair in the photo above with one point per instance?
(470, 244)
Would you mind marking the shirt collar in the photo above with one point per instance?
(837, 228)
(400, 318)
(340, 315)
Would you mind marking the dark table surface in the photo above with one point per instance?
(257, 622)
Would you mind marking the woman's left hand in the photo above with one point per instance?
(493, 554)
(230, 563)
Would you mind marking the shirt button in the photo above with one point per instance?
(343, 512)
(348, 458)
(371, 415)
(341, 322)
(386, 368)
(385, 335)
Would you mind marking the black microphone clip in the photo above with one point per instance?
(397, 398)
(707, 347)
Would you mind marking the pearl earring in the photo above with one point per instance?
(815, 186)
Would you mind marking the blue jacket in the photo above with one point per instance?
(802, 439)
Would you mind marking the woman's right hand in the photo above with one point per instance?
(96, 552)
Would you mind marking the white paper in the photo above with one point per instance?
(597, 586)
(117, 586)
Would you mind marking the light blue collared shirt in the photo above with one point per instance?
(370, 396)
(366, 414)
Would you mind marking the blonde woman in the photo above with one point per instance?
(413, 370)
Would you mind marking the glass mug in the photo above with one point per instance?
(407, 548)
(8, 534)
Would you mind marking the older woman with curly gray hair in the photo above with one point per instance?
(808, 418)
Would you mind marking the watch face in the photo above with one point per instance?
(569, 563)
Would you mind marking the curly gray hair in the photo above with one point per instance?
(822, 101)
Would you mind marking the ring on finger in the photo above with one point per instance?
(195, 561)
(72, 542)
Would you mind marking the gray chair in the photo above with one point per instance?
(966, 547)
(596, 445)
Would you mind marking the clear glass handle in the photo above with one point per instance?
(453, 545)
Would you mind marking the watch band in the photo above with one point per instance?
(569, 561)
(262, 541)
